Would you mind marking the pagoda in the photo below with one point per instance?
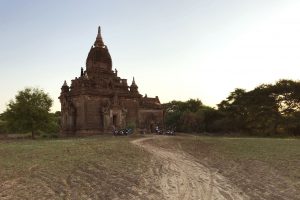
(99, 101)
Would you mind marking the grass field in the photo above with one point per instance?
(106, 167)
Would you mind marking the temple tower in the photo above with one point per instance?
(99, 99)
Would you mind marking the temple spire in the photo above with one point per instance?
(99, 41)
(133, 84)
(134, 87)
(65, 83)
(99, 32)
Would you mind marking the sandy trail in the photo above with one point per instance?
(183, 178)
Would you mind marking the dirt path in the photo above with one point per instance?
(183, 178)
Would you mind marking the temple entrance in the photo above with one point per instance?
(115, 120)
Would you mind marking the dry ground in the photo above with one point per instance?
(102, 167)
(183, 178)
(181, 167)
(259, 167)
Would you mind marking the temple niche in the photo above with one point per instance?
(99, 99)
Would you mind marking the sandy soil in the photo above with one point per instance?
(183, 178)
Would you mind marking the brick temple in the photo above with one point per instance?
(99, 100)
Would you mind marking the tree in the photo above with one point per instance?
(234, 111)
(287, 95)
(268, 109)
(255, 111)
(190, 116)
(29, 112)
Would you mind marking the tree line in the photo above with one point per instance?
(267, 110)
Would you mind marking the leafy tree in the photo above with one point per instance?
(255, 111)
(53, 125)
(268, 109)
(29, 112)
(287, 95)
(189, 116)
(192, 105)
(265, 115)
(291, 124)
(234, 111)
(211, 116)
(174, 110)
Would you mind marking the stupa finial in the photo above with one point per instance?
(99, 41)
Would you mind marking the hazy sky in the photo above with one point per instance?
(175, 49)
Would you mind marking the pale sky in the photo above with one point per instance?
(175, 49)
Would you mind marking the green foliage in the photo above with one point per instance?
(29, 112)
(52, 128)
(266, 110)
(189, 116)
(192, 105)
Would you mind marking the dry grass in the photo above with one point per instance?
(101, 167)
